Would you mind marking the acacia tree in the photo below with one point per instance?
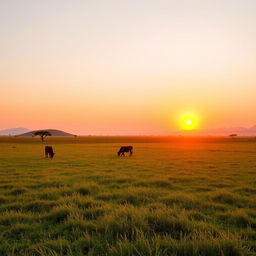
(42, 134)
(233, 135)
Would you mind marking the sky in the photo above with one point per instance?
(127, 67)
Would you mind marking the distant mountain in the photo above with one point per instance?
(52, 131)
(240, 131)
(13, 131)
(252, 129)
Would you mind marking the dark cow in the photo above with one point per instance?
(122, 150)
(49, 151)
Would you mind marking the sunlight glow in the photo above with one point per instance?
(189, 121)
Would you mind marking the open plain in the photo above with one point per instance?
(174, 196)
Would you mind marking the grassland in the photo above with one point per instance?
(175, 196)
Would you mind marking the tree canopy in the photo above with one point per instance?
(42, 134)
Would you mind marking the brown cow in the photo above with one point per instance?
(49, 152)
(122, 150)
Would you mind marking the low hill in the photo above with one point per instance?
(13, 131)
(240, 131)
(53, 132)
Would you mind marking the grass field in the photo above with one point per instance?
(174, 196)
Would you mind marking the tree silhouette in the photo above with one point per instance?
(233, 135)
(42, 134)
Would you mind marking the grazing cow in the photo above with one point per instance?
(49, 151)
(122, 150)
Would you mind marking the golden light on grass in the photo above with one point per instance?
(189, 121)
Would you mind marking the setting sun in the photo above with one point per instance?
(189, 121)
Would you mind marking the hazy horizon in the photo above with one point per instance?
(127, 67)
(221, 131)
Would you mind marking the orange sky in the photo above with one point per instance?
(127, 67)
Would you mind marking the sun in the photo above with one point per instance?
(189, 121)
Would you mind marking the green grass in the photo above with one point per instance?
(174, 196)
